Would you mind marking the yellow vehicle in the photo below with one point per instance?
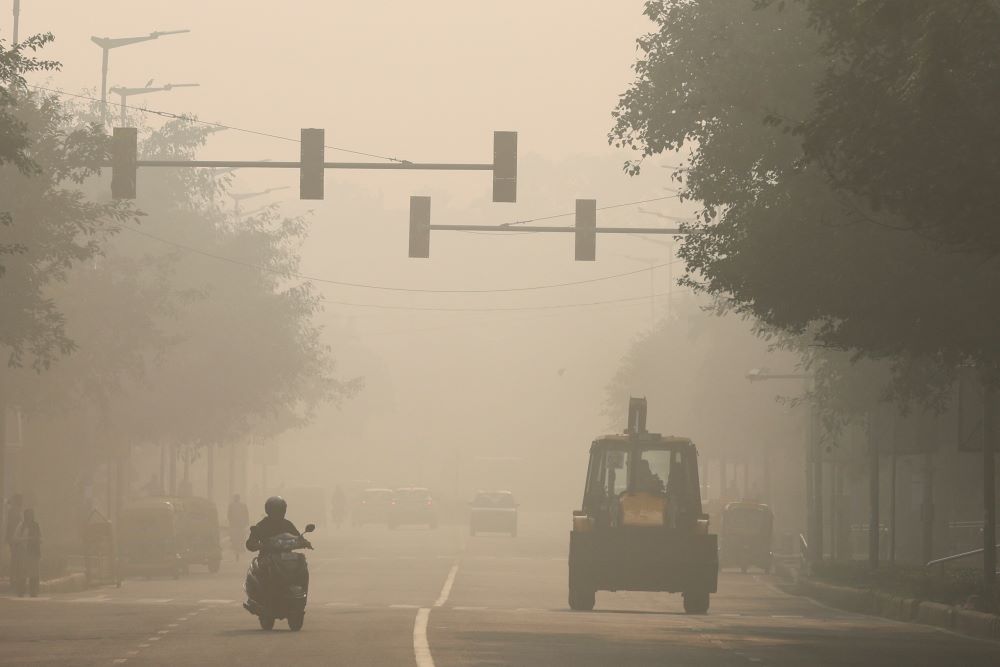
(747, 529)
(641, 527)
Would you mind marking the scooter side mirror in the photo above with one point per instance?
(310, 527)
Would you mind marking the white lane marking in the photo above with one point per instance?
(154, 600)
(171, 625)
(446, 590)
(119, 661)
(143, 645)
(421, 649)
(153, 639)
(404, 606)
(210, 601)
(162, 632)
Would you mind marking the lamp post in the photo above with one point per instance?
(17, 18)
(124, 93)
(108, 43)
(240, 196)
(814, 466)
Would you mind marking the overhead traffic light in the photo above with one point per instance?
(420, 227)
(311, 163)
(586, 230)
(505, 167)
(124, 156)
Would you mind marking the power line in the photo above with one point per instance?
(388, 288)
(599, 208)
(497, 309)
(222, 126)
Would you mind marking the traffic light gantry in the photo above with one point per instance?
(312, 164)
(584, 229)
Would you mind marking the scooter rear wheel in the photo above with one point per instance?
(266, 622)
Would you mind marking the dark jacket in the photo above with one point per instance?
(267, 528)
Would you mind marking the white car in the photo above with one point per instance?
(493, 512)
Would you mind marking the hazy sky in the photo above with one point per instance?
(425, 81)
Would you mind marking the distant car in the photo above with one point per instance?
(371, 506)
(412, 506)
(493, 512)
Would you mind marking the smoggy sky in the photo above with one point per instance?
(425, 81)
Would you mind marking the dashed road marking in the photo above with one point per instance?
(448, 583)
(421, 649)
(153, 639)
(154, 600)
(119, 661)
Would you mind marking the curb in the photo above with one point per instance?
(68, 584)
(861, 600)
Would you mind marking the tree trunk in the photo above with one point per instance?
(989, 496)
(873, 494)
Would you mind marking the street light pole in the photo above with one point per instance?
(108, 43)
(17, 18)
(124, 93)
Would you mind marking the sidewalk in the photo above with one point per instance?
(866, 601)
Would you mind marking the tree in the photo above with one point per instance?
(736, 85)
(48, 224)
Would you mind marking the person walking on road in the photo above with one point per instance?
(239, 523)
(28, 550)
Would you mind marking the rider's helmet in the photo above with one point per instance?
(275, 507)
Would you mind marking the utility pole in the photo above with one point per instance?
(873, 493)
(989, 493)
(17, 19)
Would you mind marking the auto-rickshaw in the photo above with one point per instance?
(746, 535)
(198, 530)
(641, 526)
(148, 540)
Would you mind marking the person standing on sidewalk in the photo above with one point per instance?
(28, 547)
(11, 521)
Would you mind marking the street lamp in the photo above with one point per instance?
(108, 43)
(124, 93)
(240, 196)
(814, 466)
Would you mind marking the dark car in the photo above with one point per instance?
(493, 512)
(371, 506)
(412, 506)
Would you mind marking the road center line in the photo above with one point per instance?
(446, 590)
(421, 649)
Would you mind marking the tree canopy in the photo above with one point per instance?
(744, 94)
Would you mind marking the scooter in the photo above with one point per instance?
(277, 582)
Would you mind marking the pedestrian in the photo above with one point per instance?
(28, 546)
(239, 522)
(11, 520)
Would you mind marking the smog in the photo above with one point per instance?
(531, 333)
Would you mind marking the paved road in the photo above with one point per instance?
(418, 597)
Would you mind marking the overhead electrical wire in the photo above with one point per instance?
(222, 126)
(390, 288)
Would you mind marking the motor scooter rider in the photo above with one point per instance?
(274, 523)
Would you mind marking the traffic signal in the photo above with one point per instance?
(311, 164)
(505, 167)
(586, 230)
(124, 155)
(420, 227)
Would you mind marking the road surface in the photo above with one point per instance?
(422, 597)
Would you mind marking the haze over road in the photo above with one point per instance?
(371, 587)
